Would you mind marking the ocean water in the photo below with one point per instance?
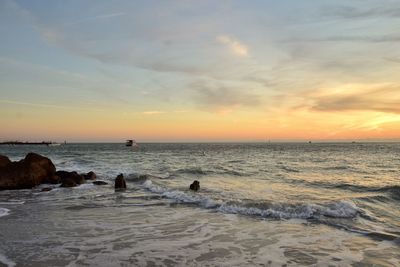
(265, 204)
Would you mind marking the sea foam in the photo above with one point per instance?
(6, 261)
(336, 209)
(4, 212)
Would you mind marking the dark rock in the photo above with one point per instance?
(4, 161)
(99, 183)
(27, 173)
(70, 179)
(89, 176)
(120, 182)
(46, 189)
(195, 186)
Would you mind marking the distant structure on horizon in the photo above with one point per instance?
(13, 143)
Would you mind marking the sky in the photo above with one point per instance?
(171, 71)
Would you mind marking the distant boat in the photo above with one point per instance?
(131, 143)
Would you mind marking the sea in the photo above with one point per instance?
(259, 204)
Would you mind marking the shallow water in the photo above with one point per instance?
(273, 204)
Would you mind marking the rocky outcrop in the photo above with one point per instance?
(99, 183)
(195, 186)
(27, 173)
(89, 176)
(4, 161)
(120, 182)
(70, 179)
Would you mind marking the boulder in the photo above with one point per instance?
(89, 176)
(46, 164)
(99, 183)
(195, 186)
(4, 161)
(27, 173)
(120, 182)
(70, 179)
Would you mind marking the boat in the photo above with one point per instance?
(131, 143)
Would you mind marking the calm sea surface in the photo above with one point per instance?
(274, 204)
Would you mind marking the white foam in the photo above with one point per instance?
(12, 203)
(341, 209)
(6, 261)
(4, 212)
(180, 196)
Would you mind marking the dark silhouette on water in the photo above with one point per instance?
(195, 186)
(120, 183)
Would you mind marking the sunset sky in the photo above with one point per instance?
(199, 70)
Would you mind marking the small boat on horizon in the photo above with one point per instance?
(131, 143)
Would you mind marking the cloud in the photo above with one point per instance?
(234, 45)
(221, 98)
(392, 59)
(46, 106)
(350, 12)
(153, 112)
(359, 97)
(97, 17)
(354, 38)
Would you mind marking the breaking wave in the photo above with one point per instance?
(4, 212)
(339, 209)
(6, 261)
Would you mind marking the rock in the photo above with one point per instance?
(195, 186)
(70, 179)
(99, 183)
(120, 182)
(46, 189)
(89, 176)
(4, 161)
(27, 173)
(46, 164)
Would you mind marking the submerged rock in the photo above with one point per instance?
(70, 179)
(195, 186)
(120, 182)
(89, 176)
(27, 173)
(99, 183)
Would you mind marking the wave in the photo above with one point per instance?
(12, 203)
(339, 209)
(140, 178)
(194, 170)
(393, 189)
(4, 212)
(6, 261)
(333, 168)
(288, 169)
(200, 171)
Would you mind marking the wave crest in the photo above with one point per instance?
(339, 209)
